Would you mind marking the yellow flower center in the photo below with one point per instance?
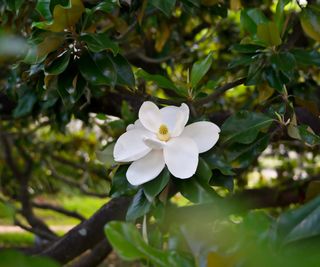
(163, 133)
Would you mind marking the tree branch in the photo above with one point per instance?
(96, 256)
(46, 206)
(87, 234)
(219, 91)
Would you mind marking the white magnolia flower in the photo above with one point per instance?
(161, 138)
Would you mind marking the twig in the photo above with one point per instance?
(47, 206)
(219, 91)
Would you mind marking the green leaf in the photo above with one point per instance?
(154, 187)
(138, 207)
(63, 17)
(196, 190)
(120, 185)
(99, 42)
(106, 155)
(310, 21)
(269, 34)
(203, 172)
(59, 64)
(301, 223)
(166, 6)
(306, 57)
(125, 239)
(274, 80)
(25, 104)
(128, 243)
(280, 14)
(98, 69)
(123, 71)
(242, 155)
(250, 18)
(199, 69)
(248, 48)
(161, 81)
(244, 126)
(284, 61)
(308, 136)
(216, 161)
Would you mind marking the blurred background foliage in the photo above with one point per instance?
(73, 75)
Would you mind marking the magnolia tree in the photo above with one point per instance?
(197, 120)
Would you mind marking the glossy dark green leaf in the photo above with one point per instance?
(248, 48)
(284, 61)
(25, 104)
(139, 206)
(216, 161)
(306, 57)
(59, 64)
(43, 7)
(242, 155)
(199, 69)
(123, 71)
(196, 190)
(301, 223)
(154, 187)
(274, 80)
(120, 185)
(244, 60)
(247, 22)
(250, 18)
(99, 42)
(166, 6)
(129, 244)
(244, 126)
(203, 172)
(98, 69)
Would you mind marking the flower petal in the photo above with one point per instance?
(154, 143)
(146, 168)
(130, 146)
(175, 118)
(204, 133)
(181, 157)
(150, 116)
(137, 125)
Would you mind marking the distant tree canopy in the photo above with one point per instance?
(73, 76)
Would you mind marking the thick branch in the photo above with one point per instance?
(87, 234)
(96, 256)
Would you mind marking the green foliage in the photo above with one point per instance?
(17, 259)
(73, 76)
(127, 241)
